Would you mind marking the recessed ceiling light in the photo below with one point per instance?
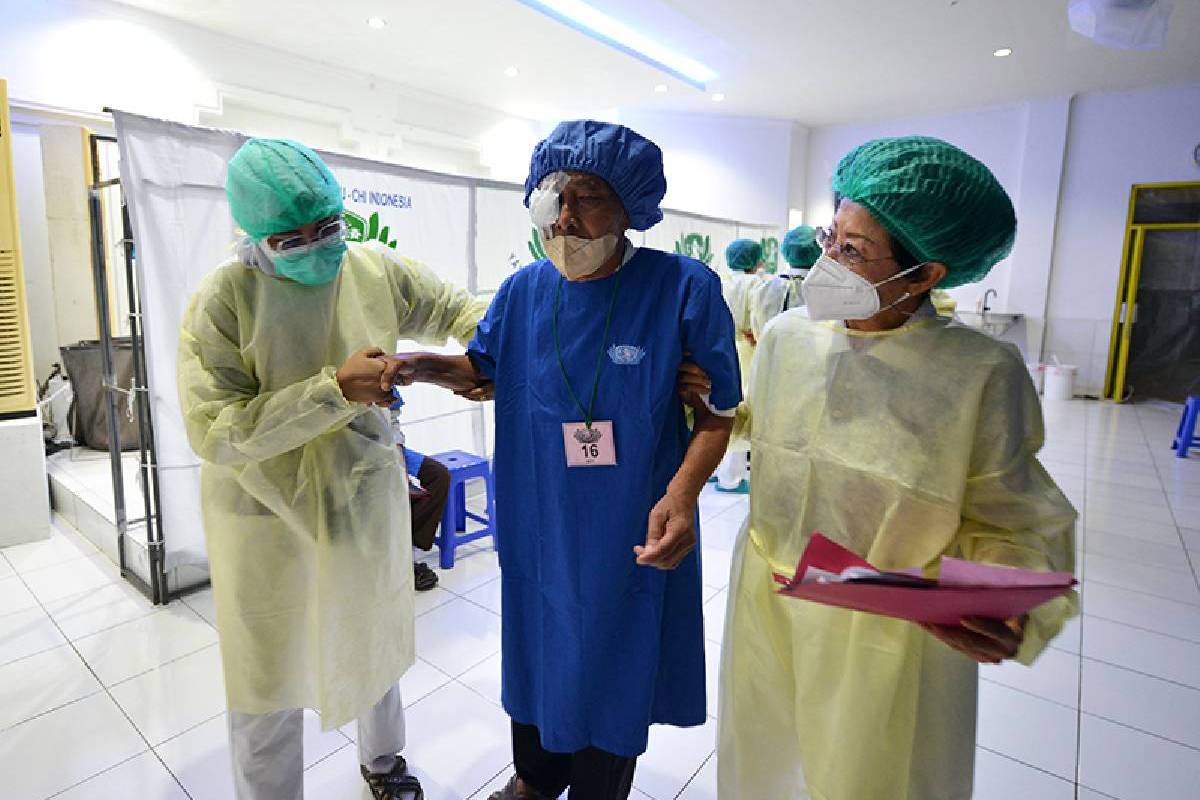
(1003, 52)
(378, 23)
(511, 72)
(718, 98)
(661, 88)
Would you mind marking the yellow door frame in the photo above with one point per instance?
(1125, 308)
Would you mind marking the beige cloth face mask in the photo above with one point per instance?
(577, 258)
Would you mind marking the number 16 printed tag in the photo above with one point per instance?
(590, 447)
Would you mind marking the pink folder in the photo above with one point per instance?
(964, 588)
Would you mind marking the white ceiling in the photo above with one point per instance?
(815, 61)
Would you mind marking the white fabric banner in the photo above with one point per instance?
(173, 179)
(703, 239)
(420, 219)
(505, 239)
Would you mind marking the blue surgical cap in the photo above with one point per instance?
(629, 162)
(743, 254)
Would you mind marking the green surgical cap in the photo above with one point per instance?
(939, 203)
(743, 254)
(277, 185)
(799, 247)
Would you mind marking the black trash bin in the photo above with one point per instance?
(89, 409)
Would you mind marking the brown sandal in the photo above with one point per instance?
(509, 792)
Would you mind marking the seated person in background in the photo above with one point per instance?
(427, 499)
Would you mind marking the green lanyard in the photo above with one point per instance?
(587, 412)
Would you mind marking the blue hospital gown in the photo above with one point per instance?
(596, 648)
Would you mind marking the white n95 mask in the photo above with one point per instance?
(577, 258)
(833, 292)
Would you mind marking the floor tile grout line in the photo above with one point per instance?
(106, 690)
(1136, 729)
(1187, 556)
(104, 771)
(695, 774)
(190, 728)
(1142, 628)
(1016, 760)
(475, 691)
(1142, 673)
(1028, 693)
(1081, 568)
(69, 640)
(1111, 585)
(48, 711)
(331, 754)
(483, 785)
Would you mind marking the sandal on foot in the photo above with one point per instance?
(394, 785)
(509, 792)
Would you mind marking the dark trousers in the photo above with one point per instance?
(427, 509)
(592, 774)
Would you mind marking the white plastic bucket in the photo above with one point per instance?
(1060, 381)
(1038, 373)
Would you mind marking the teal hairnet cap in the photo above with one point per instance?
(799, 247)
(629, 162)
(277, 185)
(938, 202)
(743, 254)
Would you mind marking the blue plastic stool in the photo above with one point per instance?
(464, 467)
(1185, 437)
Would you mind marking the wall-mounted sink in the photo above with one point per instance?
(993, 323)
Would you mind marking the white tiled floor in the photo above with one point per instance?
(104, 695)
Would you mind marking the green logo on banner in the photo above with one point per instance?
(770, 255)
(367, 230)
(697, 246)
(535, 245)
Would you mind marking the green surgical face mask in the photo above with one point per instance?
(315, 264)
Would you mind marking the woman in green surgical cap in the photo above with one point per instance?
(904, 437)
(305, 502)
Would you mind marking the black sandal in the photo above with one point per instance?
(394, 785)
(424, 578)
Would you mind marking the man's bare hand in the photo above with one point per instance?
(359, 378)
(670, 534)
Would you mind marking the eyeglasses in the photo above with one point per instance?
(327, 230)
(846, 254)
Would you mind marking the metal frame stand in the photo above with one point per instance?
(136, 395)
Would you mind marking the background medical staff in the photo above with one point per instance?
(744, 257)
(305, 502)
(779, 293)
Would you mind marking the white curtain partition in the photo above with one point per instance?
(471, 232)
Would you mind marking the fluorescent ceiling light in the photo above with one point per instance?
(718, 98)
(511, 72)
(615, 33)
(661, 88)
(378, 23)
(1003, 52)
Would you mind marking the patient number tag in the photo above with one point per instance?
(590, 447)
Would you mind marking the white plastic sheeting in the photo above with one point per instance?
(473, 233)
